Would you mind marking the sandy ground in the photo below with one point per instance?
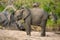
(21, 35)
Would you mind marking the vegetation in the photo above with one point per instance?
(47, 5)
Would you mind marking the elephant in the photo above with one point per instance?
(34, 16)
(4, 18)
(7, 20)
(39, 18)
(17, 19)
(13, 24)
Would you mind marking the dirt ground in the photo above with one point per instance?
(21, 35)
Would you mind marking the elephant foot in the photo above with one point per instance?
(43, 35)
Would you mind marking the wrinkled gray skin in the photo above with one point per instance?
(19, 15)
(34, 16)
(4, 18)
(7, 20)
(12, 21)
(39, 17)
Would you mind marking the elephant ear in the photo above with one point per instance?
(17, 13)
(26, 13)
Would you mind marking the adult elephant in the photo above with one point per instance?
(39, 17)
(7, 20)
(24, 14)
(34, 16)
(4, 18)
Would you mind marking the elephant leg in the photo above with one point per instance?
(43, 31)
(28, 25)
(28, 29)
(43, 28)
(5, 23)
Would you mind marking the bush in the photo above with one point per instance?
(1, 8)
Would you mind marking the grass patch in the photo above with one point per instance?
(1, 8)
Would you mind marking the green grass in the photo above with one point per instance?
(1, 8)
